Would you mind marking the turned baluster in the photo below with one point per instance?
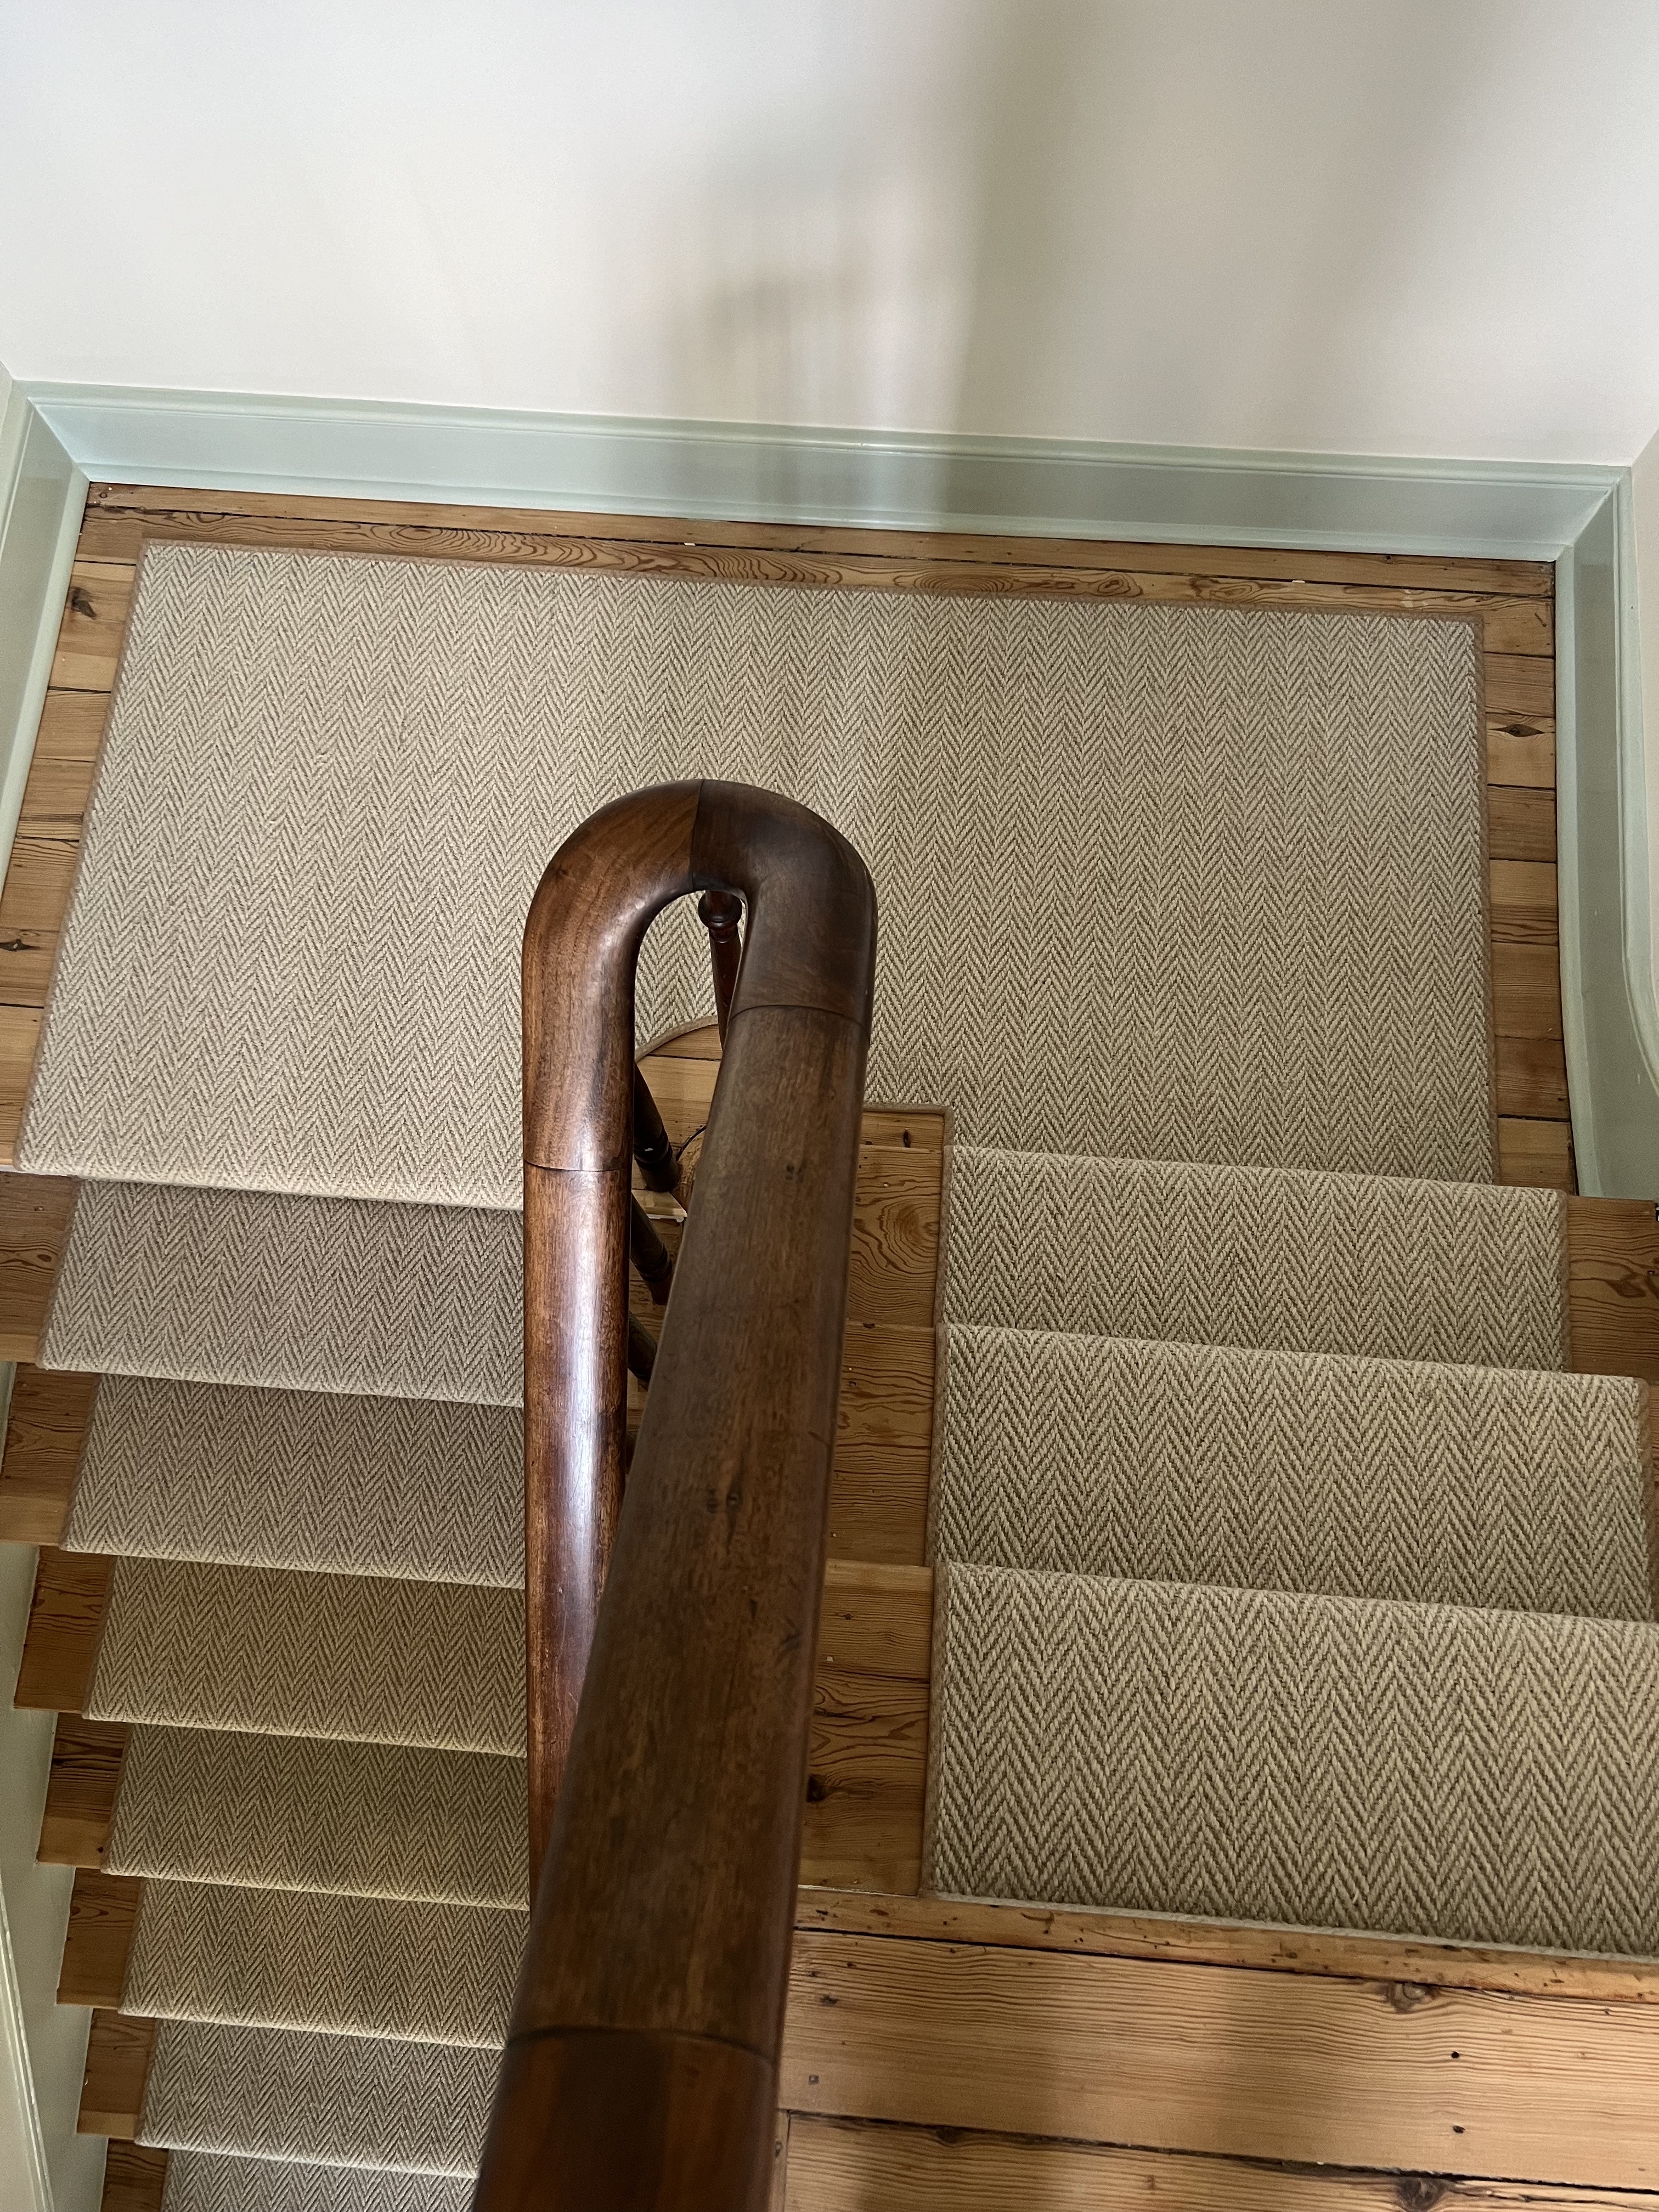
(719, 912)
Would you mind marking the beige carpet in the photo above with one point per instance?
(274, 2093)
(438, 1664)
(1184, 882)
(1294, 1471)
(1329, 1762)
(308, 1813)
(197, 2183)
(1393, 1268)
(346, 1965)
(403, 1487)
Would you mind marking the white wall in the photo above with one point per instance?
(1405, 226)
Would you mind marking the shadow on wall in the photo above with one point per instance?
(1039, 221)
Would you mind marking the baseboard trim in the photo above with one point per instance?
(1577, 516)
(42, 494)
(778, 473)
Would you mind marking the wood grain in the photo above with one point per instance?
(81, 1790)
(66, 1620)
(1531, 1078)
(1333, 1953)
(119, 2054)
(1222, 2060)
(870, 2166)
(93, 626)
(1612, 1287)
(149, 509)
(1520, 686)
(34, 1215)
(135, 2179)
(1520, 823)
(45, 1429)
(98, 1941)
(1535, 1154)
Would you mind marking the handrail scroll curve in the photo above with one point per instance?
(641, 2069)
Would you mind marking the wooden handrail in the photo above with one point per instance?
(668, 1723)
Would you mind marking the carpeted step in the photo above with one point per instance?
(1485, 1777)
(339, 1966)
(1181, 881)
(1295, 1471)
(410, 1489)
(1465, 1273)
(291, 1293)
(322, 2100)
(196, 2182)
(440, 1664)
(366, 1819)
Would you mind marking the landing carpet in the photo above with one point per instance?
(1176, 881)
(1329, 1762)
(1295, 1471)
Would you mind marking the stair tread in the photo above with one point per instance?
(346, 1965)
(1272, 1258)
(321, 2099)
(402, 1488)
(1480, 1776)
(198, 2182)
(1299, 1471)
(284, 1653)
(304, 1813)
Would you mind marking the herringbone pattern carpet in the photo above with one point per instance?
(437, 1664)
(326, 2100)
(337, 1296)
(197, 2184)
(1295, 1471)
(1330, 1762)
(307, 1813)
(292, 1294)
(346, 1965)
(1392, 1268)
(401, 1487)
(1174, 882)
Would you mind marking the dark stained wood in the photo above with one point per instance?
(81, 1790)
(650, 1253)
(60, 1647)
(46, 1430)
(720, 914)
(661, 1925)
(651, 1147)
(642, 1355)
(97, 1942)
(135, 2179)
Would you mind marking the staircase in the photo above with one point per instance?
(1232, 1573)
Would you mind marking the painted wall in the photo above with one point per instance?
(1406, 227)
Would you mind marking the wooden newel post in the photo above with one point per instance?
(641, 2071)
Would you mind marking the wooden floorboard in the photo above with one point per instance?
(45, 1429)
(872, 2165)
(1224, 2061)
(119, 2054)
